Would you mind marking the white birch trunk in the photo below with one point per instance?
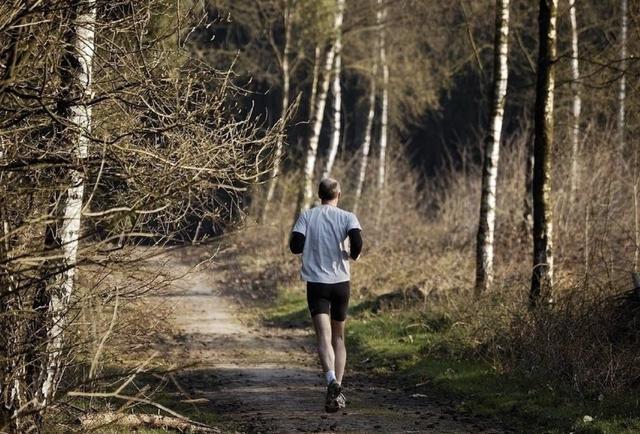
(576, 105)
(70, 232)
(312, 150)
(486, 227)
(622, 90)
(337, 105)
(285, 106)
(384, 116)
(366, 144)
(314, 83)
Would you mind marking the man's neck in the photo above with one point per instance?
(330, 202)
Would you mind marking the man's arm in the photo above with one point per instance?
(296, 243)
(355, 241)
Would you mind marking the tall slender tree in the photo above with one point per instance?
(384, 115)
(576, 105)
(622, 89)
(79, 70)
(336, 105)
(542, 276)
(314, 81)
(312, 148)
(486, 226)
(366, 143)
(284, 64)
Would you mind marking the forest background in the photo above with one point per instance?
(170, 123)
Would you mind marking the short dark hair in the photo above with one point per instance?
(328, 189)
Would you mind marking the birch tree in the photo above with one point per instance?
(542, 276)
(141, 134)
(576, 100)
(79, 115)
(384, 115)
(486, 226)
(314, 81)
(336, 106)
(284, 64)
(622, 85)
(312, 148)
(366, 143)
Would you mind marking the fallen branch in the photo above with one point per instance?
(99, 420)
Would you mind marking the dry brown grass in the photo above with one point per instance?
(424, 236)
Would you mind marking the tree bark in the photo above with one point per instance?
(80, 119)
(527, 208)
(542, 276)
(486, 226)
(576, 105)
(312, 149)
(366, 143)
(285, 106)
(384, 116)
(314, 83)
(337, 105)
(622, 89)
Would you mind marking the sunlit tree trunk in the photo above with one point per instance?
(366, 143)
(314, 83)
(486, 227)
(80, 119)
(542, 276)
(312, 149)
(622, 90)
(577, 101)
(337, 104)
(384, 115)
(285, 105)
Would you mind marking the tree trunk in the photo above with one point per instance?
(527, 209)
(384, 116)
(576, 103)
(542, 276)
(622, 90)
(312, 149)
(314, 83)
(486, 226)
(337, 105)
(366, 144)
(285, 106)
(80, 119)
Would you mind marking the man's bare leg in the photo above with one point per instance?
(322, 324)
(339, 349)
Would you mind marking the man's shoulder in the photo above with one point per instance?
(349, 214)
(349, 219)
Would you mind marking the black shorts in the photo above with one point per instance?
(329, 298)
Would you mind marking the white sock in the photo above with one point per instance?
(330, 376)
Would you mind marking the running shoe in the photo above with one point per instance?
(331, 404)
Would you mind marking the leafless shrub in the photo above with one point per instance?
(167, 152)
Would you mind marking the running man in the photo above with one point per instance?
(320, 235)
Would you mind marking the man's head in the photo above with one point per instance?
(329, 190)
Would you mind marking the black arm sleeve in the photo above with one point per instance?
(296, 243)
(355, 241)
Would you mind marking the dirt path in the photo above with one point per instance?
(268, 379)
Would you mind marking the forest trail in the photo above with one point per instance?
(268, 379)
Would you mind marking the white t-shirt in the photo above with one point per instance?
(325, 258)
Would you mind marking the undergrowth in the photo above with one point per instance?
(414, 313)
(430, 355)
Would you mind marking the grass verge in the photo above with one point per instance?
(430, 354)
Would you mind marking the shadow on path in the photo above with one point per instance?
(269, 380)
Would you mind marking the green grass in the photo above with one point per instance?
(427, 349)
